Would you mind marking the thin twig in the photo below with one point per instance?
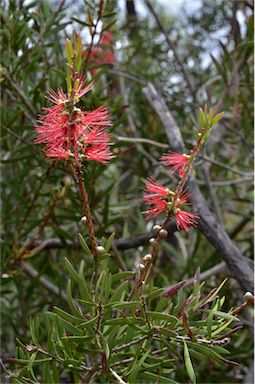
(117, 377)
(225, 166)
(142, 140)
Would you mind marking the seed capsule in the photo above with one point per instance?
(163, 233)
(100, 250)
(147, 257)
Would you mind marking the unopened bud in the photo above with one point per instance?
(156, 228)
(100, 250)
(83, 219)
(163, 233)
(141, 266)
(153, 241)
(68, 181)
(249, 296)
(147, 257)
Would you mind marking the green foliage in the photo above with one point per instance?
(104, 330)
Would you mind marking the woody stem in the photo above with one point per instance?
(87, 213)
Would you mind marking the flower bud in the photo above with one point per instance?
(249, 296)
(83, 220)
(68, 181)
(153, 241)
(100, 250)
(147, 257)
(141, 266)
(163, 233)
(156, 228)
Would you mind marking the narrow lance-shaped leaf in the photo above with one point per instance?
(188, 364)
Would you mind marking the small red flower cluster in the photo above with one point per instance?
(69, 132)
(161, 199)
(102, 54)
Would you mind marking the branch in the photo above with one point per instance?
(214, 232)
(120, 244)
(43, 281)
(171, 46)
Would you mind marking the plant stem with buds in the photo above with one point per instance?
(87, 213)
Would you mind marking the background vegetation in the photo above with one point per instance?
(192, 58)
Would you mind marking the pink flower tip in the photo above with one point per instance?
(177, 161)
(185, 220)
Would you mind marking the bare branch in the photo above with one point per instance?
(43, 281)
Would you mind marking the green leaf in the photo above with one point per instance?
(105, 346)
(70, 300)
(221, 329)
(154, 293)
(119, 292)
(202, 120)
(188, 364)
(124, 304)
(162, 316)
(84, 245)
(30, 365)
(217, 118)
(156, 378)
(83, 287)
(225, 315)
(68, 326)
(121, 275)
(136, 367)
(109, 242)
(69, 51)
(209, 324)
(73, 274)
(66, 316)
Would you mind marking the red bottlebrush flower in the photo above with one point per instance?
(108, 58)
(158, 206)
(99, 152)
(68, 134)
(106, 38)
(98, 117)
(185, 220)
(182, 199)
(96, 135)
(82, 89)
(155, 189)
(176, 160)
